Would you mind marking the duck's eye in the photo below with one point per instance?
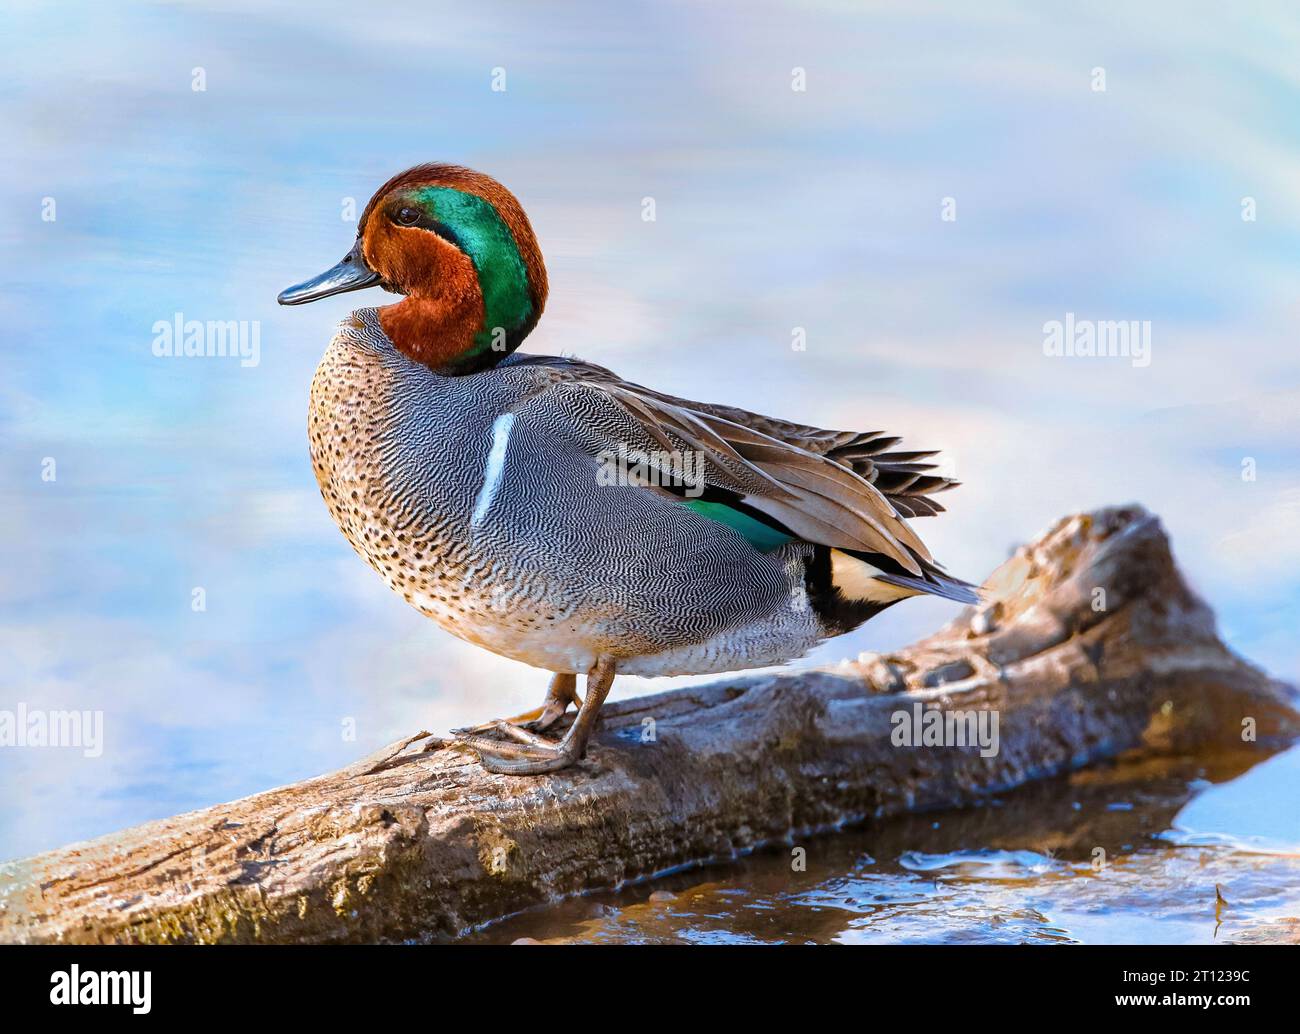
(408, 216)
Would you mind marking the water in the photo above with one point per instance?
(1129, 853)
(775, 209)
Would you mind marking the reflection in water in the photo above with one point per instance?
(1054, 862)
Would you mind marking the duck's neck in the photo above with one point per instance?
(439, 332)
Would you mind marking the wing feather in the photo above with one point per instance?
(842, 489)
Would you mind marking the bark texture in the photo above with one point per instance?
(1090, 644)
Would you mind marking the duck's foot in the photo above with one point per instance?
(530, 754)
(533, 757)
(562, 693)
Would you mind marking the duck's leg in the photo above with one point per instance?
(533, 755)
(563, 691)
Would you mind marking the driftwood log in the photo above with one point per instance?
(1090, 645)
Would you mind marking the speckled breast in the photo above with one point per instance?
(410, 520)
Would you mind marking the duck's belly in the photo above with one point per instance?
(535, 621)
(536, 576)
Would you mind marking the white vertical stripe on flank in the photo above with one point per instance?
(496, 463)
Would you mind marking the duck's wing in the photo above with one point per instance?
(842, 489)
(900, 476)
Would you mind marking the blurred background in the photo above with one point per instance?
(1167, 196)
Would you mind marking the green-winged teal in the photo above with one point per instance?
(553, 513)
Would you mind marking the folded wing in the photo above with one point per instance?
(842, 489)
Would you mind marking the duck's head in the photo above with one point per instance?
(458, 245)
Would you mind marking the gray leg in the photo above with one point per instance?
(533, 756)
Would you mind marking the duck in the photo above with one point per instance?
(545, 509)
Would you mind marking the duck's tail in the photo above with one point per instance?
(877, 579)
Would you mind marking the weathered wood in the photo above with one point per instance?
(1091, 645)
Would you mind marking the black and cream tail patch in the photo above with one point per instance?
(858, 579)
